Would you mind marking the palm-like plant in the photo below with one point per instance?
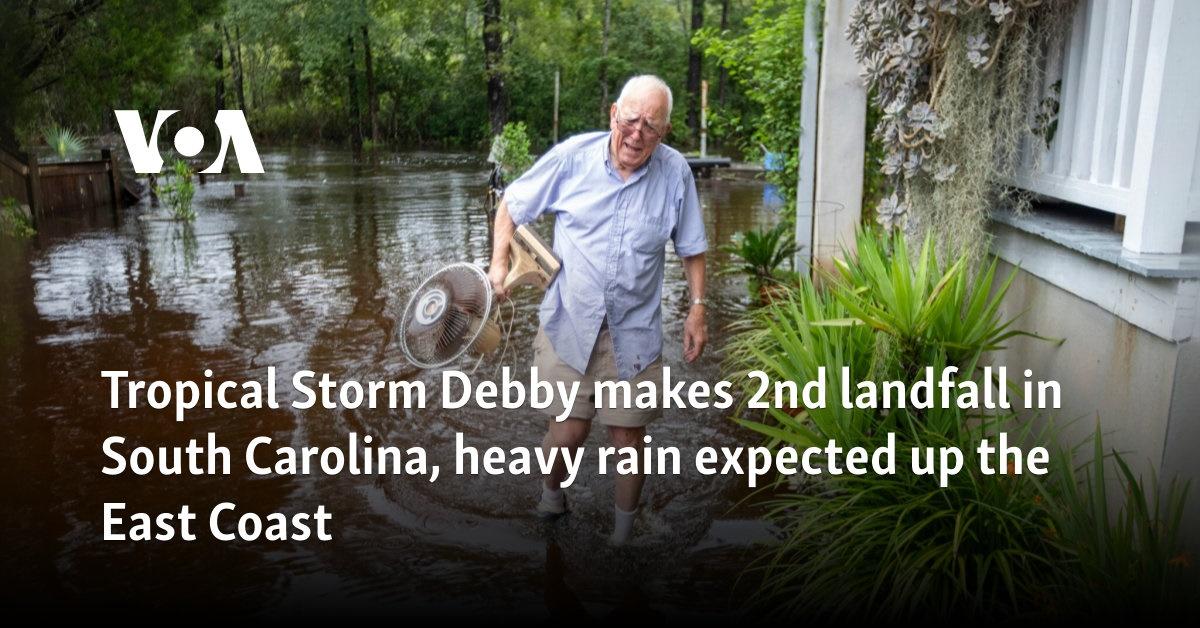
(63, 141)
(760, 253)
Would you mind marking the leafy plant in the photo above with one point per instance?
(891, 545)
(510, 150)
(882, 316)
(764, 61)
(921, 304)
(952, 82)
(178, 191)
(64, 141)
(1132, 564)
(760, 253)
(14, 221)
(886, 546)
(882, 546)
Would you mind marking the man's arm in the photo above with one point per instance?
(695, 327)
(502, 234)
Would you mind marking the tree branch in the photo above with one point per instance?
(66, 20)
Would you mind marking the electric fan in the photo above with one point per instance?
(452, 312)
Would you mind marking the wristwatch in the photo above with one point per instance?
(698, 301)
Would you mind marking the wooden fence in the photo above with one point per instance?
(56, 188)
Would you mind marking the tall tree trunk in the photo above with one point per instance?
(372, 95)
(235, 64)
(356, 136)
(241, 68)
(695, 68)
(604, 104)
(493, 59)
(219, 62)
(723, 72)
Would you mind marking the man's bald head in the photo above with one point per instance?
(648, 87)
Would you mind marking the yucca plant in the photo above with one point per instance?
(920, 303)
(792, 339)
(63, 141)
(898, 545)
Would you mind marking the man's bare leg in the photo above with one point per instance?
(568, 434)
(628, 491)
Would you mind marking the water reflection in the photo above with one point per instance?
(310, 270)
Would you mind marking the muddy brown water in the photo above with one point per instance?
(310, 270)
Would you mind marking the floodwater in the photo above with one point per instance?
(310, 270)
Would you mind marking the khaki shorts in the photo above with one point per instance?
(601, 367)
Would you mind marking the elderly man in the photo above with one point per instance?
(617, 197)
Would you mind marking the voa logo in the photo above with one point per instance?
(143, 151)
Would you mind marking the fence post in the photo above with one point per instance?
(33, 187)
(114, 178)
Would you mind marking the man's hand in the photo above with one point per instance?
(695, 328)
(496, 274)
(695, 333)
(502, 232)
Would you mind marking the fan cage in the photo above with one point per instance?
(474, 329)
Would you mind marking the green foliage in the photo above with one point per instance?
(510, 150)
(63, 141)
(760, 253)
(882, 546)
(14, 221)
(295, 60)
(177, 193)
(882, 316)
(88, 60)
(766, 62)
(895, 544)
(1132, 564)
(886, 546)
(952, 86)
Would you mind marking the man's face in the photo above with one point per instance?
(638, 125)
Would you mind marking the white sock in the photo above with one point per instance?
(552, 495)
(623, 526)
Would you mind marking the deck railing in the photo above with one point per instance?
(1128, 134)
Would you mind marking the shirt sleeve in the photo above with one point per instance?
(532, 194)
(689, 236)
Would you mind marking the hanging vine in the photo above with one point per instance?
(959, 85)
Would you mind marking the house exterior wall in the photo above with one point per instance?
(1141, 387)
(1110, 370)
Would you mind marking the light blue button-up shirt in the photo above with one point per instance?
(611, 236)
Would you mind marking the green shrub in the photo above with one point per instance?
(1130, 564)
(759, 253)
(178, 191)
(895, 545)
(510, 150)
(14, 221)
(888, 546)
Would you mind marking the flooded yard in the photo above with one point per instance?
(310, 270)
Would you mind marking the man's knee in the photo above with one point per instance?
(569, 433)
(626, 436)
